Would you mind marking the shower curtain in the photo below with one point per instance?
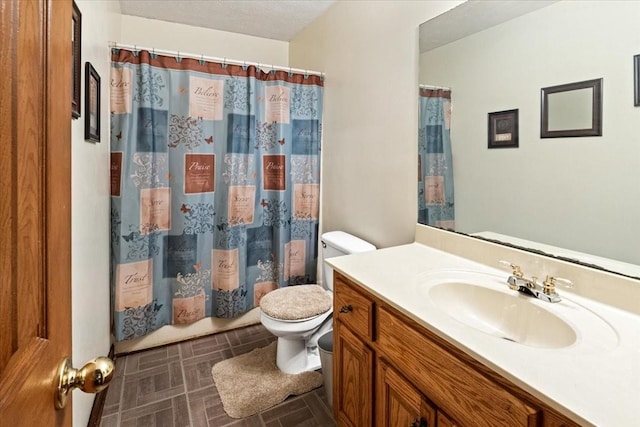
(435, 163)
(215, 184)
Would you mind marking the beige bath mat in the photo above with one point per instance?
(252, 382)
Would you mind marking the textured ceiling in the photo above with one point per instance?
(471, 17)
(270, 19)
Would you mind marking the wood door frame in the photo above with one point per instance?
(35, 207)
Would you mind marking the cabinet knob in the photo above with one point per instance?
(346, 308)
(419, 423)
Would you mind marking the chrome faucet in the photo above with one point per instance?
(545, 291)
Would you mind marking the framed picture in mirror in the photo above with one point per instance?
(573, 109)
(503, 129)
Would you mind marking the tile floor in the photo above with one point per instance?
(172, 386)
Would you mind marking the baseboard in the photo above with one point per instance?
(98, 401)
(170, 334)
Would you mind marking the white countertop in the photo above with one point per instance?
(592, 384)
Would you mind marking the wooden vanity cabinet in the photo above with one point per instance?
(454, 385)
(353, 376)
(398, 403)
(390, 371)
(444, 421)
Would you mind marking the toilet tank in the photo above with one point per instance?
(338, 243)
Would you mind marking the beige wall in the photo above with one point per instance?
(90, 212)
(369, 52)
(577, 193)
(170, 36)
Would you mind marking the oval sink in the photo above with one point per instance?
(484, 302)
(508, 316)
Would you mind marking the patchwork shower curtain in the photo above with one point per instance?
(435, 162)
(215, 184)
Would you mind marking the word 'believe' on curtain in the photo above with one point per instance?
(215, 185)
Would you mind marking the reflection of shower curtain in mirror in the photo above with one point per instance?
(435, 167)
(215, 183)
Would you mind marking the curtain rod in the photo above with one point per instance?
(434, 87)
(181, 54)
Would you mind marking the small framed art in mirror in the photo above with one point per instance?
(503, 129)
(573, 109)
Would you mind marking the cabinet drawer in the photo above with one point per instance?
(452, 385)
(352, 308)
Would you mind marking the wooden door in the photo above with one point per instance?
(352, 379)
(398, 403)
(35, 203)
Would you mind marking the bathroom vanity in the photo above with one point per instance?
(401, 359)
(390, 369)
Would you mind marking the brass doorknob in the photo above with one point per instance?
(93, 377)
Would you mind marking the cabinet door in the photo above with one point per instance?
(352, 379)
(399, 404)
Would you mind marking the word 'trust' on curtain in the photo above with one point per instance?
(435, 162)
(215, 186)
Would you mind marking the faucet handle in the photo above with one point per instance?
(549, 284)
(516, 270)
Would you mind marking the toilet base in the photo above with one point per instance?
(293, 357)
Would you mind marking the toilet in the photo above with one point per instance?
(298, 315)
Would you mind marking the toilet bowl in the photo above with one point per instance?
(299, 314)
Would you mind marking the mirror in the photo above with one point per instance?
(573, 109)
(548, 193)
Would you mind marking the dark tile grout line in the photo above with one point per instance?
(122, 383)
(184, 384)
